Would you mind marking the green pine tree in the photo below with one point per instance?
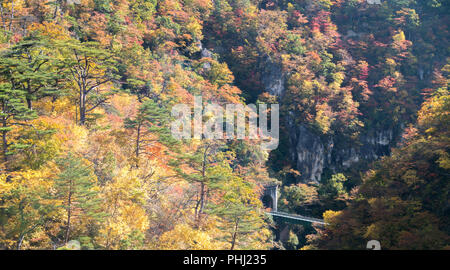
(239, 209)
(150, 126)
(13, 113)
(91, 68)
(76, 187)
(30, 66)
(199, 161)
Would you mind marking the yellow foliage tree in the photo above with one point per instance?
(184, 237)
(124, 201)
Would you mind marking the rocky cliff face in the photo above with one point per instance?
(311, 152)
(273, 78)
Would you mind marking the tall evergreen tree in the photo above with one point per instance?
(13, 113)
(150, 126)
(91, 68)
(75, 186)
(194, 165)
(239, 208)
(30, 66)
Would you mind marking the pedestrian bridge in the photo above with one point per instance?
(270, 200)
(296, 219)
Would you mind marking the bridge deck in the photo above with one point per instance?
(297, 217)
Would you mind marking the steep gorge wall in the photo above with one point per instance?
(312, 153)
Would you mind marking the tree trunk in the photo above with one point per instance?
(233, 239)
(20, 241)
(29, 104)
(2, 15)
(138, 140)
(202, 197)
(82, 107)
(5, 143)
(12, 16)
(69, 213)
(202, 184)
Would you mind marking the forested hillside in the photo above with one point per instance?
(87, 156)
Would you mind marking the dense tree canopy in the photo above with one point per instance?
(87, 87)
